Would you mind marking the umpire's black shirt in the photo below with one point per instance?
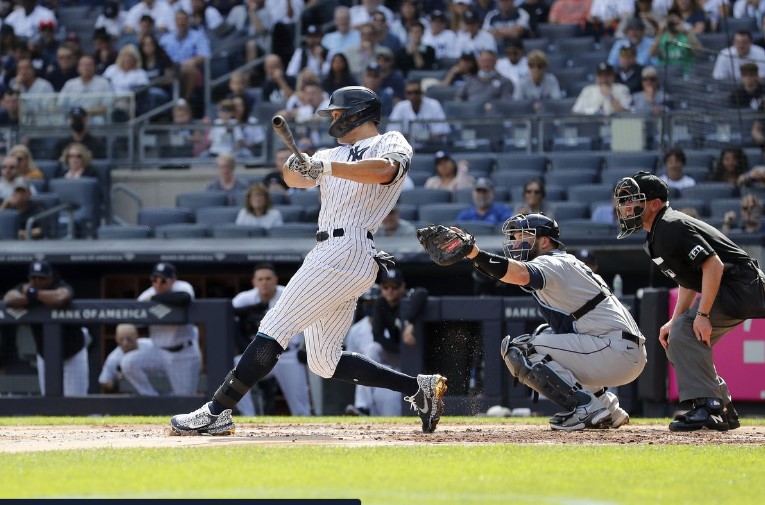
(679, 244)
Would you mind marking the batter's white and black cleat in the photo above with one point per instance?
(203, 422)
(590, 416)
(427, 401)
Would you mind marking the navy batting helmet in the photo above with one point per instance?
(360, 105)
(533, 225)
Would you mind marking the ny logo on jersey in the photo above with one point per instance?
(356, 153)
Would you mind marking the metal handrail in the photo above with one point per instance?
(122, 188)
(65, 207)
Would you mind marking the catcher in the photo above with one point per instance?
(590, 342)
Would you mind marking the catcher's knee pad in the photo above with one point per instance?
(231, 391)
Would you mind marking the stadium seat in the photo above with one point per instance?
(420, 196)
(407, 211)
(9, 224)
(589, 193)
(305, 198)
(718, 208)
(571, 46)
(295, 230)
(568, 178)
(554, 31)
(423, 163)
(553, 193)
(578, 228)
(698, 173)
(710, 191)
(477, 227)
(638, 160)
(515, 178)
(441, 93)
(563, 211)
(157, 216)
(561, 107)
(441, 213)
(85, 196)
(514, 162)
(230, 230)
(181, 230)
(212, 216)
(575, 162)
(481, 164)
(694, 203)
(541, 44)
(464, 195)
(48, 168)
(418, 177)
(697, 158)
(611, 176)
(456, 109)
(290, 213)
(199, 199)
(122, 232)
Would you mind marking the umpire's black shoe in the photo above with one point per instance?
(427, 401)
(706, 413)
(732, 416)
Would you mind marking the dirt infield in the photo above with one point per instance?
(53, 438)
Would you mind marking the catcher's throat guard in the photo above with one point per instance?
(630, 205)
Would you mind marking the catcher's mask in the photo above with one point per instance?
(630, 204)
(525, 247)
(360, 105)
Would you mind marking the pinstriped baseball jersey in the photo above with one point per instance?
(562, 284)
(321, 297)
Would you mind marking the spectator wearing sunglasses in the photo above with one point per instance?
(176, 353)
(748, 221)
(533, 198)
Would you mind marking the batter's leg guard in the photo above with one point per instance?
(231, 391)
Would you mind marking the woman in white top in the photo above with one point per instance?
(449, 175)
(258, 209)
(127, 73)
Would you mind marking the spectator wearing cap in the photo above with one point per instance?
(21, 201)
(392, 78)
(393, 226)
(674, 165)
(634, 35)
(9, 108)
(176, 353)
(675, 42)
(569, 12)
(112, 19)
(408, 14)
(457, 11)
(514, 65)
(465, 66)
(44, 288)
(361, 56)
(651, 100)
(373, 80)
(606, 14)
(472, 38)
(538, 11)
(488, 85)
(533, 198)
(604, 97)
(417, 107)
(415, 55)
(104, 52)
(729, 61)
(384, 36)
(310, 54)
(45, 43)
(628, 71)
(344, 37)
(64, 68)
(540, 85)
(80, 132)
(440, 37)
(362, 14)
(89, 90)
(160, 11)
(26, 19)
(507, 22)
(484, 208)
(188, 49)
(26, 80)
(449, 174)
(750, 93)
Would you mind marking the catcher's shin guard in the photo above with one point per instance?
(540, 376)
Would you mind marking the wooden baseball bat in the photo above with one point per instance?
(282, 129)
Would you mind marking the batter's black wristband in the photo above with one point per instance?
(490, 264)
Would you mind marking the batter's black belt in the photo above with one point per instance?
(631, 337)
(321, 236)
(178, 348)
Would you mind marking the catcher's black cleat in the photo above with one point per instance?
(427, 401)
(732, 416)
(706, 413)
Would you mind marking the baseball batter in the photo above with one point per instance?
(590, 342)
(360, 181)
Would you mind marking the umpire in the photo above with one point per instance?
(700, 259)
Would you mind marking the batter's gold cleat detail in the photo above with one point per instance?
(428, 401)
(203, 422)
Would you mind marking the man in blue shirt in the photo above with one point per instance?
(484, 209)
(634, 34)
(188, 49)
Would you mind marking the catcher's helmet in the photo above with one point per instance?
(631, 194)
(533, 225)
(360, 105)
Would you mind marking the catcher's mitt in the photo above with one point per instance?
(444, 245)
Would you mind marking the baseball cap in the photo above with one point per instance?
(47, 24)
(466, 2)
(484, 183)
(77, 111)
(628, 48)
(649, 72)
(437, 14)
(605, 68)
(40, 268)
(651, 186)
(374, 67)
(385, 52)
(163, 269)
(392, 275)
(20, 183)
(313, 30)
(441, 155)
(634, 24)
(470, 16)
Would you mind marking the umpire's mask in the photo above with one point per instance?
(630, 204)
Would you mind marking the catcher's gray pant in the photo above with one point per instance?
(181, 369)
(76, 373)
(692, 358)
(292, 376)
(594, 362)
